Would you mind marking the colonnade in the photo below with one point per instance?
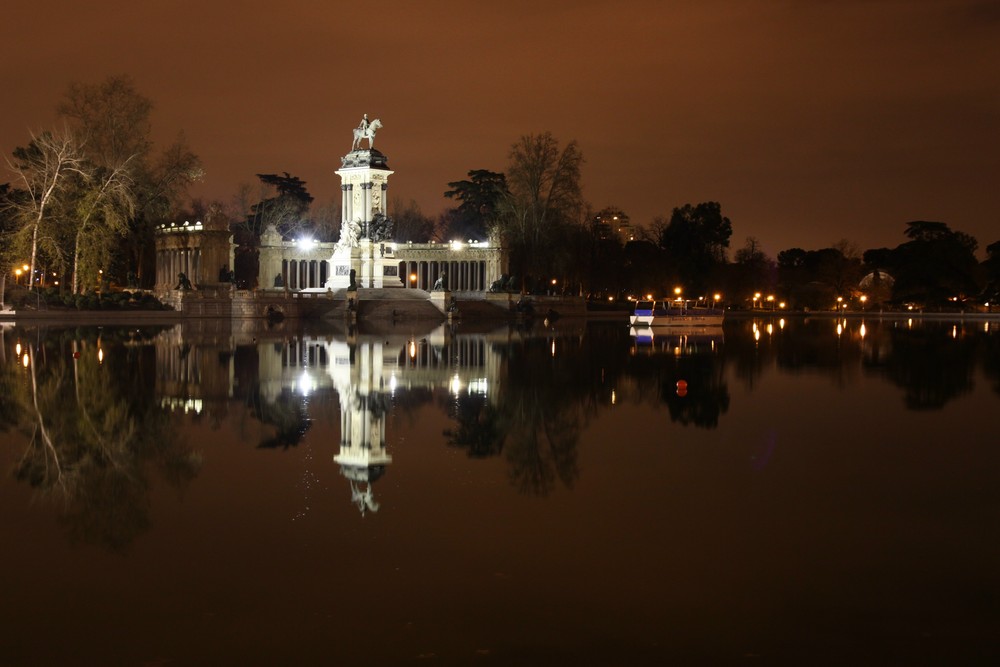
(460, 276)
(305, 273)
(172, 261)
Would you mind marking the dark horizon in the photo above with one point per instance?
(809, 122)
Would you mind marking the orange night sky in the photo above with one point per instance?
(810, 121)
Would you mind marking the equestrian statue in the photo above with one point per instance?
(366, 130)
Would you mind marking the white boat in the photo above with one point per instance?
(655, 314)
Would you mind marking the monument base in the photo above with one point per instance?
(442, 300)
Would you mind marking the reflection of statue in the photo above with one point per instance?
(364, 499)
(367, 131)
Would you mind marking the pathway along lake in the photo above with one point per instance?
(216, 493)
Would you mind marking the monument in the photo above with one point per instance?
(365, 229)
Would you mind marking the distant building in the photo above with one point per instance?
(612, 222)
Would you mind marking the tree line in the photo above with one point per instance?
(86, 195)
(85, 198)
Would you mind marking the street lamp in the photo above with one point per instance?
(17, 276)
(770, 300)
(863, 299)
(756, 298)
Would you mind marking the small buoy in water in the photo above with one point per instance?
(682, 392)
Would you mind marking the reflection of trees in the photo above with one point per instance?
(93, 428)
(706, 397)
(542, 432)
(655, 371)
(536, 413)
(991, 360)
(926, 361)
(479, 426)
(930, 366)
(287, 414)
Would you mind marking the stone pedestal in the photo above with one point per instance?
(442, 300)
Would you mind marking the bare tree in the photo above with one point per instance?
(111, 119)
(544, 196)
(42, 170)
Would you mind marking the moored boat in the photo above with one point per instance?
(675, 314)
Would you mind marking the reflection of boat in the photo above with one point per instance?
(677, 340)
(674, 314)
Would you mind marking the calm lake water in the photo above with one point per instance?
(813, 491)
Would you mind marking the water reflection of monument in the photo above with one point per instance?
(198, 373)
